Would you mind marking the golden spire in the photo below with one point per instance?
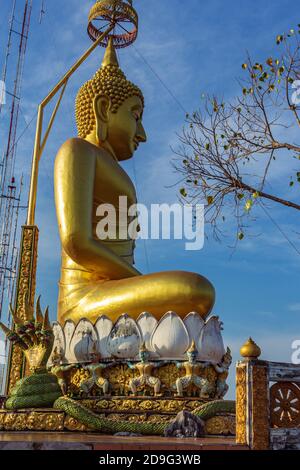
(143, 347)
(193, 348)
(39, 315)
(110, 56)
(250, 350)
(46, 323)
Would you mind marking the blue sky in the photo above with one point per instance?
(196, 48)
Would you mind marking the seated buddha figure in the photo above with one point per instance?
(98, 277)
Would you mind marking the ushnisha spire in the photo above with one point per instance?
(110, 56)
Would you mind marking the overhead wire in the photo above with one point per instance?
(291, 243)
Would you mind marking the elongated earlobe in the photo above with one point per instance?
(101, 109)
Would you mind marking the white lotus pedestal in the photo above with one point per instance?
(116, 348)
(117, 351)
(167, 339)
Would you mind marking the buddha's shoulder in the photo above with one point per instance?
(76, 147)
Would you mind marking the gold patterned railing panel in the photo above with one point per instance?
(260, 419)
(25, 288)
(241, 403)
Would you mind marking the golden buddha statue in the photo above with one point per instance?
(98, 277)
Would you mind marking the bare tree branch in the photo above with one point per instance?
(222, 144)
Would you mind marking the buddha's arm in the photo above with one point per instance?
(74, 190)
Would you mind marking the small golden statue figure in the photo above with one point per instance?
(60, 370)
(192, 370)
(96, 375)
(145, 369)
(222, 370)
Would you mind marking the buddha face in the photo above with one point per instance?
(124, 128)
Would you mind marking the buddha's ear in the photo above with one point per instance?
(101, 109)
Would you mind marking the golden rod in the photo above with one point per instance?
(52, 120)
(39, 126)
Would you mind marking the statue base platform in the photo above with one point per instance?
(133, 409)
(87, 441)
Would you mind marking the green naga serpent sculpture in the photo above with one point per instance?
(41, 389)
(35, 337)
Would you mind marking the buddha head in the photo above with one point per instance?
(109, 109)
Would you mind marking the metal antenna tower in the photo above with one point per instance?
(12, 76)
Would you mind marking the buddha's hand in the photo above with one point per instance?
(34, 335)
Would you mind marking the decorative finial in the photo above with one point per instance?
(114, 12)
(250, 350)
(110, 56)
(39, 315)
(46, 323)
(57, 355)
(193, 348)
(143, 348)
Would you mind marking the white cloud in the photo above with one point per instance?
(294, 307)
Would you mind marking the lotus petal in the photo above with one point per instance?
(194, 324)
(170, 339)
(69, 329)
(59, 341)
(125, 339)
(83, 341)
(103, 327)
(211, 346)
(147, 324)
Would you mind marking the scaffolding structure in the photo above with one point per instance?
(10, 189)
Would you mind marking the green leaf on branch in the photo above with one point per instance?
(248, 205)
(241, 236)
(183, 192)
(279, 39)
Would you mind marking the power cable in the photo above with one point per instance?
(280, 229)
